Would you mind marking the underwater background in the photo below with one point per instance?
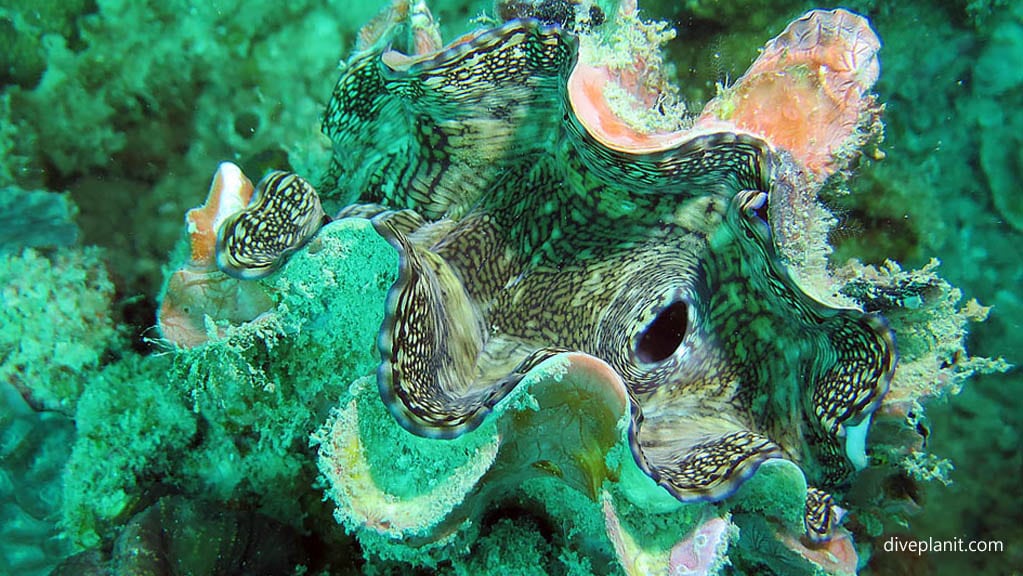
(115, 114)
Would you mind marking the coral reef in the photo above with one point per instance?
(120, 405)
(388, 522)
(132, 138)
(56, 328)
(225, 423)
(57, 324)
(205, 426)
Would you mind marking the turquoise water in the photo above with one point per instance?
(114, 116)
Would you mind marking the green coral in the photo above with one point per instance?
(518, 548)
(760, 553)
(578, 523)
(108, 102)
(36, 218)
(56, 322)
(255, 415)
(135, 140)
(424, 463)
(24, 24)
(11, 163)
(139, 428)
(657, 533)
(259, 412)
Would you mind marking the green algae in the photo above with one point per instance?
(760, 552)
(423, 464)
(259, 413)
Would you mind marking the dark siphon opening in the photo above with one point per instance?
(664, 335)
